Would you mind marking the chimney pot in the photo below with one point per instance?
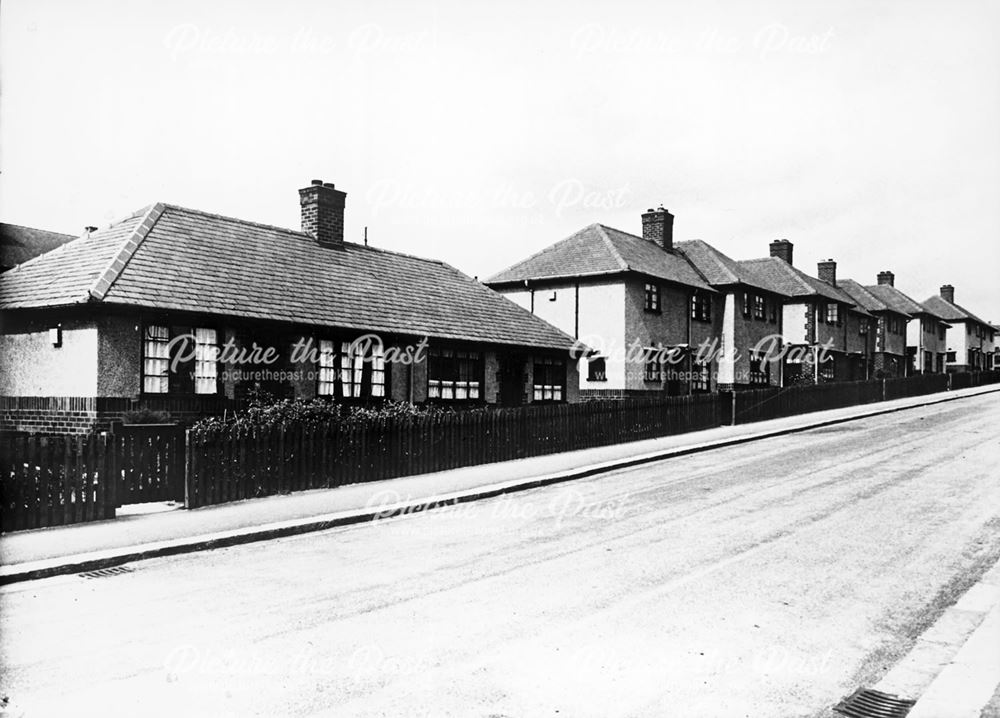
(658, 227)
(827, 272)
(948, 293)
(782, 249)
(329, 184)
(887, 277)
(323, 212)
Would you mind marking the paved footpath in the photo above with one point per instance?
(26, 555)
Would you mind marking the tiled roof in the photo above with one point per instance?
(598, 249)
(862, 297)
(19, 244)
(949, 311)
(172, 258)
(779, 276)
(896, 300)
(717, 268)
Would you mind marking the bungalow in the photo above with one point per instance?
(970, 340)
(827, 335)
(637, 301)
(176, 302)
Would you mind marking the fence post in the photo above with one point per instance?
(187, 468)
(733, 420)
(883, 388)
(113, 475)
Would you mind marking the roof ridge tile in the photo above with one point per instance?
(99, 289)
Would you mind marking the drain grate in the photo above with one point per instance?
(868, 703)
(102, 572)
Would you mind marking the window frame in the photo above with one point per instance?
(653, 369)
(557, 391)
(701, 377)
(832, 309)
(759, 307)
(166, 359)
(597, 375)
(464, 371)
(652, 298)
(701, 307)
(200, 361)
(343, 365)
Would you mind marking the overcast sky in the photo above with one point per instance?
(479, 133)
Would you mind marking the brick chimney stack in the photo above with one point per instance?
(827, 271)
(323, 212)
(948, 293)
(658, 227)
(887, 277)
(782, 249)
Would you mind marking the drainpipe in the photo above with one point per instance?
(690, 359)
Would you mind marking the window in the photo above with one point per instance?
(654, 366)
(863, 325)
(700, 376)
(327, 369)
(362, 370)
(826, 370)
(746, 304)
(597, 369)
(832, 313)
(652, 298)
(760, 368)
(156, 360)
(774, 311)
(701, 307)
(454, 375)
(759, 307)
(941, 332)
(206, 361)
(951, 356)
(549, 380)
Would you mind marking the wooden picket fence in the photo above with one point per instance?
(52, 481)
(58, 480)
(235, 463)
(55, 480)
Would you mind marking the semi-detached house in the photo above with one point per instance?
(970, 340)
(636, 301)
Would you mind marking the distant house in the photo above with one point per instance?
(996, 347)
(970, 340)
(925, 331)
(897, 317)
(750, 344)
(828, 336)
(174, 302)
(19, 244)
(637, 301)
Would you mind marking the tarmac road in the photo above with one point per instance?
(766, 579)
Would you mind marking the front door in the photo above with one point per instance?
(511, 379)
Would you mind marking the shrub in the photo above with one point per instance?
(265, 411)
(145, 416)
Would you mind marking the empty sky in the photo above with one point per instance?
(480, 132)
